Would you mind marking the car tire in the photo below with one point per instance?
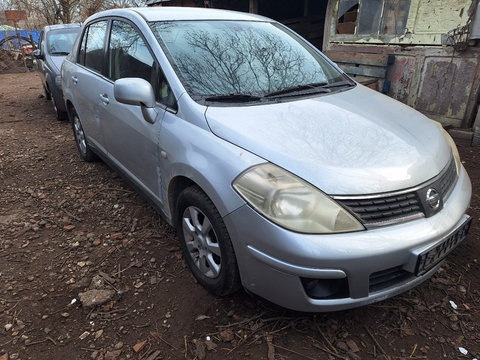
(48, 96)
(59, 114)
(205, 243)
(80, 139)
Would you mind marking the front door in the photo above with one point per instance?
(132, 142)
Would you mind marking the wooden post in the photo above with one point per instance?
(34, 44)
(19, 39)
(253, 7)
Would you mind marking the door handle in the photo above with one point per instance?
(75, 80)
(104, 98)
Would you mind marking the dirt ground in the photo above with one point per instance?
(67, 226)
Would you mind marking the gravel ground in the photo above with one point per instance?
(89, 271)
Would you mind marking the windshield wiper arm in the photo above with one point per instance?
(233, 98)
(339, 84)
(59, 53)
(319, 87)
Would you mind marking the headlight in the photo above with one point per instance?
(293, 203)
(450, 141)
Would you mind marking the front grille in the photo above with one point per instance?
(447, 180)
(386, 278)
(385, 209)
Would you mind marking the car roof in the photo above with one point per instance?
(172, 13)
(61, 26)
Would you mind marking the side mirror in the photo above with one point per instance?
(137, 91)
(37, 54)
(134, 91)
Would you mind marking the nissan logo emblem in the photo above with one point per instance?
(433, 198)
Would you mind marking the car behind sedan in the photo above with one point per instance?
(279, 172)
(55, 44)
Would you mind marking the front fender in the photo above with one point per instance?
(195, 153)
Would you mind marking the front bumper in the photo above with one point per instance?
(371, 265)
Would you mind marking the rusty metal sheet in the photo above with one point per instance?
(446, 83)
(401, 75)
(15, 15)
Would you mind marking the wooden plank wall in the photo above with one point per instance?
(310, 27)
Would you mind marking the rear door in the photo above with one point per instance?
(88, 81)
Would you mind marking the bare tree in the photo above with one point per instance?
(49, 12)
(90, 7)
(5, 5)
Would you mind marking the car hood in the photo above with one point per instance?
(56, 63)
(352, 142)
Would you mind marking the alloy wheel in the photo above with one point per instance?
(79, 135)
(201, 242)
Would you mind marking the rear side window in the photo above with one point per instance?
(93, 46)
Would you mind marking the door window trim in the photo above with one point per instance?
(85, 31)
(106, 59)
(158, 68)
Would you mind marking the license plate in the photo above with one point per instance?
(433, 256)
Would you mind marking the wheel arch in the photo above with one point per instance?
(70, 107)
(222, 196)
(175, 187)
(181, 182)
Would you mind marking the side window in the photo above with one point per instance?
(372, 18)
(95, 40)
(129, 56)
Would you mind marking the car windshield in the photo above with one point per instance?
(60, 42)
(246, 59)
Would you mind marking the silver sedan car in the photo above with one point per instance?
(279, 172)
(55, 44)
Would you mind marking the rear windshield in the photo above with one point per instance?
(60, 42)
(215, 58)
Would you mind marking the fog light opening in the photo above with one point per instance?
(326, 288)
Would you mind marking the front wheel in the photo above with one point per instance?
(205, 243)
(48, 96)
(82, 145)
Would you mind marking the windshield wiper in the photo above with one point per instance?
(233, 98)
(340, 84)
(59, 53)
(319, 87)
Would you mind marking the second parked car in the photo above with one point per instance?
(55, 44)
